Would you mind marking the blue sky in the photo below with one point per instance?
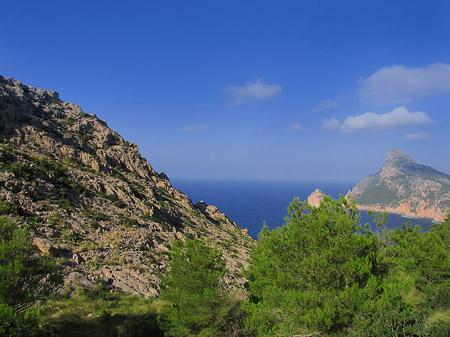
(299, 90)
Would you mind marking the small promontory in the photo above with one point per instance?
(315, 198)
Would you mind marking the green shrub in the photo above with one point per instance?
(24, 278)
(120, 204)
(7, 208)
(127, 221)
(198, 305)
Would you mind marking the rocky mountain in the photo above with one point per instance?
(95, 203)
(405, 187)
(315, 197)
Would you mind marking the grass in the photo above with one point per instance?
(101, 312)
(440, 316)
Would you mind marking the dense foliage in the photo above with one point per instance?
(314, 273)
(25, 277)
(199, 303)
(323, 273)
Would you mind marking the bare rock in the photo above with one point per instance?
(315, 198)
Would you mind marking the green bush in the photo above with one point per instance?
(390, 320)
(120, 204)
(127, 221)
(20, 170)
(7, 208)
(24, 278)
(198, 304)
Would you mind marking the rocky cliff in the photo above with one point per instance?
(315, 197)
(95, 203)
(405, 187)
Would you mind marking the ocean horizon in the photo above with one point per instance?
(251, 203)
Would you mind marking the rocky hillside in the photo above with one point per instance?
(95, 203)
(405, 187)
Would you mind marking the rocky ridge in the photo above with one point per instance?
(95, 203)
(405, 187)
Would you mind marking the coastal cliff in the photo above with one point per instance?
(315, 198)
(405, 187)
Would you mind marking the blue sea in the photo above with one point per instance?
(251, 203)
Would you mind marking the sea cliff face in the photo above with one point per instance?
(96, 204)
(315, 198)
(405, 187)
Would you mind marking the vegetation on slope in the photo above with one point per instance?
(379, 194)
(323, 273)
(199, 302)
(100, 312)
(25, 277)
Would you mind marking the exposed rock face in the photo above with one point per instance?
(405, 187)
(315, 198)
(96, 203)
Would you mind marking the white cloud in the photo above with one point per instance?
(330, 124)
(372, 122)
(417, 136)
(399, 84)
(254, 90)
(296, 127)
(194, 128)
(325, 105)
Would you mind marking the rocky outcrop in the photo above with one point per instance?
(315, 198)
(405, 187)
(96, 204)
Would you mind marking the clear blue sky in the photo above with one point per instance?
(304, 90)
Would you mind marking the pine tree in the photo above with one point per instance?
(198, 303)
(25, 277)
(312, 274)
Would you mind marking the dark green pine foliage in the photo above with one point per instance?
(419, 264)
(314, 273)
(198, 303)
(25, 277)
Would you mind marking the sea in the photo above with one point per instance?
(250, 204)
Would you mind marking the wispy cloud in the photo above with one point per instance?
(254, 90)
(372, 122)
(399, 84)
(417, 136)
(325, 105)
(296, 127)
(330, 124)
(195, 128)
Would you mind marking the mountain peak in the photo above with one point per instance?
(406, 187)
(396, 156)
